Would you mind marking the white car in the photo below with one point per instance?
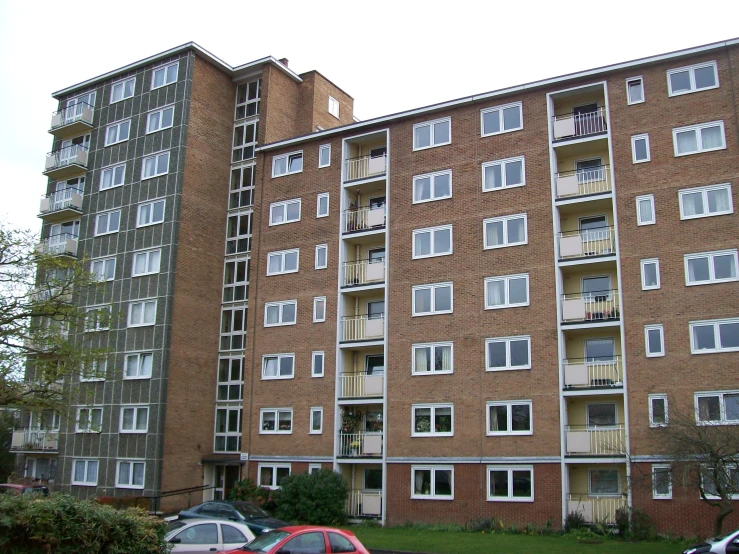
(203, 536)
(726, 544)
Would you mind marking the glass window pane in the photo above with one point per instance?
(705, 77)
(496, 293)
(711, 137)
(443, 482)
(522, 484)
(422, 300)
(442, 185)
(422, 136)
(516, 230)
(286, 366)
(658, 410)
(422, 481)
(698, 270)
(635, 91)
(493, 177)
(520, 417)
(497, 354)
(498, 418)
(601, 414)
(288, 313)
(687, 141)
(718, 200)
(709, 408)
(514, 173)
(423, 243)
(729, 335)
(512, 118)
(293, 211)
(704, 337)
(442, 298)
(518, 290)
(423, 420)
(441, 132)
(519, 352)
(494, 233)
(640, 149)
(654, 341)
(499, 483)
(731, 405)
(423, 188)
(491, 122)
(291, 261)
(442, 241)
(650, 274)
(680, 81)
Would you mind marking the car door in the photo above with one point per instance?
(202, 538)
(232, 537)
(340, 543)
(312, 542)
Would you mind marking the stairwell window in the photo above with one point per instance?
(432, 186)
(122, 90)
(244, 141)
(510, 483)
(501, 119)
(230, 378)
(287, 164)
(707, 268)
(507, 291)
(433, 420)
(713, 336)
(654, 339)
(509, 418)
(228, 429)
(634, 90)
(432, 133)
(503, 174)
(695, 139)
(433, 358)
(150, 213)
(432, 482)
(236, 280)
(164, 75)
(433, 241)
(433, 299)
(650, 274)
(278, 366)
(280, 313)
(645, 210)
(238, 232)
(233, 327)
(705, 201)
(693, 78)
(154, 166)
(118, 132)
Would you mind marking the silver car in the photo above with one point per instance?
(203, 536)
(726, 544)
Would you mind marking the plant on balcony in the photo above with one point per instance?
(350, 421)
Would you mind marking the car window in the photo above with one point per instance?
(209, 510)
(307, 543)
(176, 524)
(340, 544)
(226, 512)
(231, 535)
(205, 533)
(249, 509)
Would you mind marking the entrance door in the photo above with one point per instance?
(226, 476)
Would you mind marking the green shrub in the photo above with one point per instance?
(574, 520)
(317, 498)
(641, 525)
(62, 524)
(246, 489)
(622, 521)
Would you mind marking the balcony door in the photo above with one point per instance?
(597, 350)
(75, 106)
(602, 415)
(376, 255)
(46, 420)
(374, 364)
(66, 228)
(375, 309)
(596, 288)
(586, 119)
(589, 171)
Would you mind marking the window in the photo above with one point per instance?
(333, 106)
(95, 370)
(134, 419)
(150, 213)
(694, 78)
(658, 416)
(432, 482)
(705, 201)
(508, 291)
(432, 133)
(645, 210)
(138, 365)
(433, 420)
(432, 186)
(160, 119)
(433, 241)
(433, 358)
(508, 353)
(118, 132)
(154, 166)
(640, 148)
(650, 274)
(699, 138)
(324, 155)
(717, 408)
(319, 309)
(103, 269)
(433, 299)
(278, 366)
(245, 141)
(233, 327)
(510, 484)
(655, 340)
(271, 476)
(230, 379)
(276, 421)
(108, 222)
(89, 420)
(316, 421)
(710, 267)
(97, 318)
(122, 90)
(242, 187)
(322, 205)
(501, 119)
(707, 337)
(236, 280)
(164, 75)
(601, 415)
(502, 174)
(509, 418)
(317, 359)
(321, 256)
(228, 430)
(142, 313)
(505, 231)
(112, 176)
(146, 263)
(634, 90)
(280, 313)
(661, 482)
(238, 233)
(287, 164)
(130, 474)
(284, 261)
(284, 212)
(247, 99)
(85, 472)
(604, 482)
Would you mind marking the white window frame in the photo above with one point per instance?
(650, 198)
(602, 494)
(87, 463)
(432, 346)
(711, 267)
(651, 398)
(276, 412)
(691, 71)
(157, 161)
(658, 327)
(321, 149)
(108, 231)
(629, 100)
(432, 179)
(432, 483)
(704, 194)
(431, 135)
(333, 106)
(509, 409)
(500, 109)
(281, 254)
(165, 69)
(314, 468)
(716, 323)
(432, 231)
(645, 138)
(431, 432)
(274, 468)
(642, 264)
(318, 204)
(139, 364)
(104, 326)
(506, 242)
(130, 485)
(722, 407)
(117, 127)
(314, 355)
(283, 204)
(101, 277)
(507, 279)
(278, 358)
(311, 429)
(95, 371)
(140, 223)
(507, 341)
(510, 470)
(159, 111)
(143, 304)
(135, 408)
(280, 304)
(316, 301)
(287, 157)
(432, 287)
(324, 248)
(147, 257)
(503, 163)
(90, 428)
(660, 468)
(122, 84)
(112, 170)
(699, 139)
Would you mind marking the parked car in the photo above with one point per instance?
(304, 539)
(726, 544)
(203, 536)
(10, 488)
(242, 511)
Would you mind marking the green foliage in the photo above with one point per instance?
(64, 525)
(246, 489)
(7, 458)
(622, 521)
(574, 520)
(641, 525)
(317, 498)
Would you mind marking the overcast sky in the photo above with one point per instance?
(390, 56)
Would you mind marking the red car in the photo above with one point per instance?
(304, 539)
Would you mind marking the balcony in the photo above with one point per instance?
(362, 327)
(590, 307)
(583, 440)
(47, 294)
(72, 121)
(599, 241)
(364, 167)
(596, 509)
(64, 244)
(578, 125)
(364, 504)
(587, 373)
(34, 440)
(583, 182)
(67, 162)
(61, 205)
(360, 445)
(363, 272)
(360, 385)
(356, 220)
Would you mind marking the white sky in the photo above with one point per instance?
(390, 56)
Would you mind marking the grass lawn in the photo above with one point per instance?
(446, 542)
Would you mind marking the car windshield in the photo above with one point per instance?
(175, 524)
(264, 542)
(250, 510)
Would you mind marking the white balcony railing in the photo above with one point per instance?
(363, 219)
(360, 445)
(579, 125)
(599, 241)
(593, 180)
(584, 373)
(35, 439)
(61, 200)
(596, 508)
(362, 327)
(595, 441)
(363, 272)
(80, 111)
(75, 154)
(359, 385)
(590, 307)
(365, 166)
(364, 504)
(64, 243)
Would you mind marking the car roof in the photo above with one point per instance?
(14, 486)
(298, 528)
(200, 521)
